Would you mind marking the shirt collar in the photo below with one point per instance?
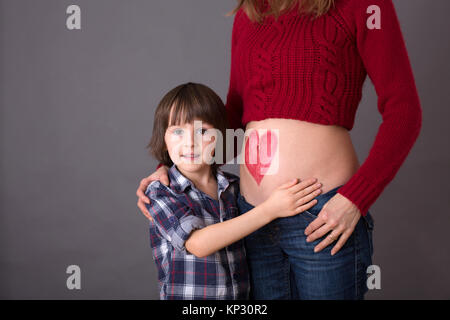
(179, 182)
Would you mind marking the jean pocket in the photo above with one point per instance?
(314, 211)
(369, 221)
(310, 214)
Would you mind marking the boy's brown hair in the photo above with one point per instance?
(188, 101)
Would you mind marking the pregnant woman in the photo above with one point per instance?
(297, 70)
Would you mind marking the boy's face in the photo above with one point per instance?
(191, 145)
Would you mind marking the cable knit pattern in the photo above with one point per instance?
(314, 70)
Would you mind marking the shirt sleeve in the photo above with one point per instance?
(384, 54)
(174, 220)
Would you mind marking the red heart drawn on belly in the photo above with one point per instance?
(259, 153)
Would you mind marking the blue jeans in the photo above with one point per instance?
(283, 265)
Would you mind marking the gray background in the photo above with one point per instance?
(76, 111)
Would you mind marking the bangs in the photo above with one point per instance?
(189, 105)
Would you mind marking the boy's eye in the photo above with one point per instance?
(201, 131)
(179, 131)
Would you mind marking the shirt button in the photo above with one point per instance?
(235, 276)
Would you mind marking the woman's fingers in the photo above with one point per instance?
(162, 175)
(342, 240)
(144, 210)
(332, 234)
(317, 223)
(320, 232)
(140, 192)
(164, 179)
(325, 242)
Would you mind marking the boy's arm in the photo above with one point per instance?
(178, 224)
(288, 199)
(206, 241)
(174, 220)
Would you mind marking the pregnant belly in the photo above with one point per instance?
(277, 150)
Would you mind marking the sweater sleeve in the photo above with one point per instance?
(384, 54)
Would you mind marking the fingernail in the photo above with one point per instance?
(147, 201)
(315, 249)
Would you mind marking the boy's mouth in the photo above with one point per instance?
(190, 156)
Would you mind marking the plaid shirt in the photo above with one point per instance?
(177, 211)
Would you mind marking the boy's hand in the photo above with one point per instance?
(160, 174)
(292, 198)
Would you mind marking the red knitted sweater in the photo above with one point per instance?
(314, 70)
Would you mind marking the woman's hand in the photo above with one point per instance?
(338, 215)
(292, 198)
(161, 175)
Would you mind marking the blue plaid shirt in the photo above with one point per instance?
(179, 209)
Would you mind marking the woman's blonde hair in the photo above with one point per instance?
(253, 10)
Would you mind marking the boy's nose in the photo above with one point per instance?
(190, 140)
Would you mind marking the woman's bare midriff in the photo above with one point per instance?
(305, 150)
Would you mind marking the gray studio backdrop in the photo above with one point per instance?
(76, 111)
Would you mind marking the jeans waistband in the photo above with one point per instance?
(321, 200)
